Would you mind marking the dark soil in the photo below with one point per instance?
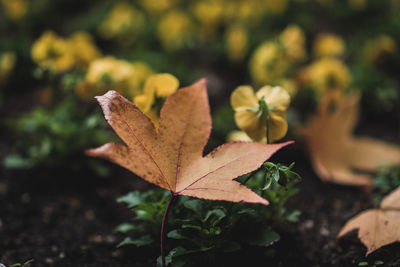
(64, 220)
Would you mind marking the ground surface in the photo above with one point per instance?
(69, 221)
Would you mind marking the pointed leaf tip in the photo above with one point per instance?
(202, 81)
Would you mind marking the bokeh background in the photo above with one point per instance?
(56, 55)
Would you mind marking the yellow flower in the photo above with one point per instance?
(83, 48)
(7, 62)
(267, 63)
(327, 45)
(174, 30)
(250, 116)
(376, 48)
(111, 73)
(142, 72)
(239, 136)
(123, 23)
(15, 9)
(53, 52)
(237, 43)
(209, 13)
(328, 73)
(60, 54)
(293, 41)
(156, 86)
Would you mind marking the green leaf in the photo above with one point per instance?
(218, 215)
(194, 205)
(16, 162)
(293, 216)
(363, 263)
(191, 226)
(139, 242)
(177, 234)
(262, 237)
(125, 227)
(131, 199)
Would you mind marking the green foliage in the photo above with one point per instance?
(375, 264)
(148, 208)
(25, 264)
(205, 231)
(386, 180)
(48, 137)
(379, 92)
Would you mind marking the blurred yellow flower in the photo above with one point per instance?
(378, 47)
(7, 63)
(53, 52)
(290, 86)
(210, 14)
(293, 41)
(327, 45)
(237, 43)
(240, 136)
(156, 86)
(158, 6)
(83, 48)
(267, 64)
(175, 30)
(60, 54)
(142, 72)
(15, 9)
(271, 61)
(276, 6)
(123, 23)
(250, 115)
(110, 73)
(243, 11)
(328, 73)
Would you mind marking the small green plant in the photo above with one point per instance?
(205, 231)
(386, 180)
(47, 137)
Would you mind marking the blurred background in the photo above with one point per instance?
(56, 55)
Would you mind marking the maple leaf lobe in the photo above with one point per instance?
(377, 227)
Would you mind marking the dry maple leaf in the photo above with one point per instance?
(335, 152)
(171, 156)
(377, 227)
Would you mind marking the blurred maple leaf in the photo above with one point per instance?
(377, 227)
(171, 156)
(335, 153)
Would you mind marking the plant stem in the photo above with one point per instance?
(265, 110)
(164, 220)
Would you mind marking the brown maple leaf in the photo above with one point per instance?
(335, 153)
(377, 227)
(171, 156)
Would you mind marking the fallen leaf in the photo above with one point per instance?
(377, 227)
(171, 156)
(336, 154)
